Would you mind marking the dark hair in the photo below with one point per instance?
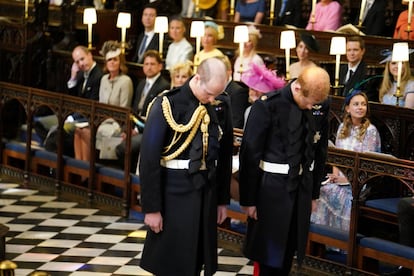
(357, 39)
(154, 54)
(150, 6)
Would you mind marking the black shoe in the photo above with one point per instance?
(399, 271)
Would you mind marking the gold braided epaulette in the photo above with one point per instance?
(200, 116)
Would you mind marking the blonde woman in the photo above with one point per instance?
(249, 54)
(180, 73)
(212, 33)
(389, 85)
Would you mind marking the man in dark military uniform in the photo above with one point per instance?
(185, 170)
(277, 170)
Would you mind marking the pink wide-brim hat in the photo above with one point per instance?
(261, 79)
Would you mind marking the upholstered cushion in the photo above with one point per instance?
(15, 146)
(384, 204)
(388, 247)
(331, 232)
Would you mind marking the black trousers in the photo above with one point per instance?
(406, 221)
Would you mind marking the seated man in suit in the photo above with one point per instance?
(355, 70)
(147, 89)
(147, 40)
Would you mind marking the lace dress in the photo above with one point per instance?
(334, 205)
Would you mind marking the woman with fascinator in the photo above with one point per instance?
(355, 133)
(260, 81)
(116, 89)
(212, 33)
(306, 45)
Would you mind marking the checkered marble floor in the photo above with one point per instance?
(65, 238)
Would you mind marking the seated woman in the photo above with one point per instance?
(180, 73)
(212, 33)
(389, 85)
(250, 11)
(355, 133)
(306, 44)
(328, 16)
(250, 55)
(116, 88)
(180, 50)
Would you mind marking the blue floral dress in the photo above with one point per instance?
(334, 205)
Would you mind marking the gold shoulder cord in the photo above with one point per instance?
(200, 118)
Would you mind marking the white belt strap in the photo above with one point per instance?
(276, 167)
(176, 164)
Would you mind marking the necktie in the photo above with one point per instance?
(85, 80)
(143, 96)
(142, 46)
(351, 73)
(282, 8)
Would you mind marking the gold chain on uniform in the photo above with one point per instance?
(200, 118)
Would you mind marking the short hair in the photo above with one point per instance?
(357, 39)
(178, 18)
(181, 66)
(212, 69)
(150, 6)
(315, 80)
(83, 48)
(154, 54)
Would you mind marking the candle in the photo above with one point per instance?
(123, 38)
(272, 6)
(89, 35)
(232, 4)
(410, 11)
(26, 8)
(361, 12)
(399, 74)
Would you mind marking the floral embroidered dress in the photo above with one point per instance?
(334, 205)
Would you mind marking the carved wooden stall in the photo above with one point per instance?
(29, 100)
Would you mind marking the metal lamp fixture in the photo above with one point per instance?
(123, 22)
(89, 17)
(338, 48)
(241, 35)
(161, 27)
(287, 42)
(400, 54)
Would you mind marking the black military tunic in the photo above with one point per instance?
(186, 198)
(279, 132)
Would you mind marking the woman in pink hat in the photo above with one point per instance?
(260, 81)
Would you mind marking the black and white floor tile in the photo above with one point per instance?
(65, 238)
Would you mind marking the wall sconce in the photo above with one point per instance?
(123, 22)
(338, 48)
(161, 27)
(410, 14)
(287, 42)
(89, 17)
(399, 54)
(241, 35)
(197, 31)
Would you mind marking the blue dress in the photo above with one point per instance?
(335, 199)
(248, 11)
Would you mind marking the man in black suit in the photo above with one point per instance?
(147, 89)
(147, 40)
(289, 12)
(374, 18)
(355, 71)
(239, 96)
(85, 76)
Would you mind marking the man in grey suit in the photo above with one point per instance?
(147, 89)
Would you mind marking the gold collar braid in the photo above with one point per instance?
(200, 118)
